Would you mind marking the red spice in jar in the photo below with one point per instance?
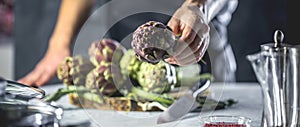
(223, 124)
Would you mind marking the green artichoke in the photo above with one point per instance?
(163, 77)
(108, 50)
(73, 70)
(155, 78)
(153, 41)
(106, 78)
(129, 64)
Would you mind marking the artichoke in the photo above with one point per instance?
(106, 78)
(129, 64)
(163, 77)
(73, 70)
(153, 41)
(155, 78)
(108, 50)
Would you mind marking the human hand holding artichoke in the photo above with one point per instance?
(190, 22)
(154, 41)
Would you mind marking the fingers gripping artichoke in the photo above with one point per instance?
(153, 41)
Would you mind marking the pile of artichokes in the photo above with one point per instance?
(97, 72)
(137, 74)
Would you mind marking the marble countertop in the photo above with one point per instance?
(249, 105)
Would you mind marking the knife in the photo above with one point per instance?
(184, 104)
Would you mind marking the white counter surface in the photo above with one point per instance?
(249, 105)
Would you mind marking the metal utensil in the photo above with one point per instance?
(184, 104)
(277, 68)
(21, 105)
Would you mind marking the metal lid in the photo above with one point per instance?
(15, 90)
(21, 105)
(278, 44)
(32, 113)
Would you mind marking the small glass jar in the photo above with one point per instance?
(225, 121)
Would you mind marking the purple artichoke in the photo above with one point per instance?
(153, 41)
(106, 78)
(108, 50)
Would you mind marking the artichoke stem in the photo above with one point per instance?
(190, 81)
(64, 91)
(151, 96)
(210, 103)
(93, 97)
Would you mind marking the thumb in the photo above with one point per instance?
(174, 24)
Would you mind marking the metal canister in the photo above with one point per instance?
(277, 68)
(22, 105)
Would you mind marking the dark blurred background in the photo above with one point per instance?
(253, 23)
(6, 38)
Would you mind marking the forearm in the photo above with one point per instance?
(210, 7)
(213, 7)
(198, 3)
(72, 15)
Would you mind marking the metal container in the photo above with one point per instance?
(22, 105)
(277, 68)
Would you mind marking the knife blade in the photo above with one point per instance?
(184, 104)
